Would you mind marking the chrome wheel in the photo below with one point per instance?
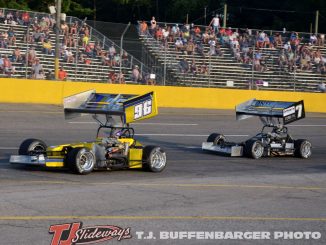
(302, 148)
(81, 160)
(85, 160)
(154, 158)
(258, 149)
(158, 159)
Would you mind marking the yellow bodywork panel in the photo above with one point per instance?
(54, 162)
(135, 158)
(130, 141)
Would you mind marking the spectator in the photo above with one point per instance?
(89, 50)
(49, 75)
(116, 60)
(143, 28)
(178, 45)
(321, 40)
(278, 40)
(7, 67)
(43, 25)
(203, 69)
(183, 66)
(38, 36)
(16, 55)
(215, 23)
(11, 36)
(112, 52)
(190, 48)
(25, 18)
(121, 78)
(64, 28)
(313, 39)
(36, 69)
(73, 28)
(47, 47)
(257, 61)
(2, 16)
(97, 49)
(85, 40)
(321, 87)
(87, 60)
(3, 40)
(200, 48)
(31, 56)
(153, 26)
(212, 50)
(135, 76)
(193, 68)
(1, 64)
(62, 75)
(69, 56)
(125, 61)
(112, 77)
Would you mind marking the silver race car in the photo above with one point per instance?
(273, 139)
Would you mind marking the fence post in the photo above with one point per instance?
(121, 50)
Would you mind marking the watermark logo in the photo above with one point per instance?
(74, 233)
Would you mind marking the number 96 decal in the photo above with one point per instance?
(143, 109)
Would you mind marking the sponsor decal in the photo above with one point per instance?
(74, 233)
(289, 111)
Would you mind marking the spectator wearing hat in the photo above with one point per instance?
(135, 75)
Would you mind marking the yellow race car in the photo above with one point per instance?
(114, 147)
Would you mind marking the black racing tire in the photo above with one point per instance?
(81, 160)
(32, 147)
(254, 149)
(154, 158)
(302, 148)
(217, 139)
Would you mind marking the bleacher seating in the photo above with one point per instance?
(226, 71)
(95, 71)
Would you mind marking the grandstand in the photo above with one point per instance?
(223, 70)
(93, 70)
(226, 71)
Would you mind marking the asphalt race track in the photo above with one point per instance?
(197, 191)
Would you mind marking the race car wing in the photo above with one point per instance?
(288, 111)
(130, 107)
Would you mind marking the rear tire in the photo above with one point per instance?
(217, 139)
(254, 149)
(154, 158)
(81, 160)
(32, 147)
(302, 148)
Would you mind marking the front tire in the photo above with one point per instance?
(154, 158)
(254, 149)
(302, 148)
(217, 139)
(32, 147)
(81, 160)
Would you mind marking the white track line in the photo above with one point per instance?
(191, 135)
(8, 148)
(165, 124)
(307, 125)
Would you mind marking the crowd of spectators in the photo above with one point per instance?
(187, 40)
(294, 52)
(75, 36)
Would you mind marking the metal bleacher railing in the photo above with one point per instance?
(76, 71)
